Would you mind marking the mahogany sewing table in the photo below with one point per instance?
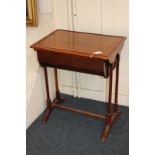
(82, 52)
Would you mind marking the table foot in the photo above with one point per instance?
(108, 126)
(49, 109)
(47, 114)
(105, 133)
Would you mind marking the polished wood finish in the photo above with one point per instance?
(76, 51)
(68, 50)
(56, 84)
(116, 84)
(110, 90)
(50, 108)
(109, 108)
(71, 62)
(47, 114)
(112, 115)
(81, 44)
(105, 132)
(50, 104)
(80, 111)
(48, 100)
(47, 88)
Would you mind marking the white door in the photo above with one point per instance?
(88, 18)
(96, 16)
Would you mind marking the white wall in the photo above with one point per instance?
(34, 85)
(37, 101)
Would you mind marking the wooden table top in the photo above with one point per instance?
(83, 44)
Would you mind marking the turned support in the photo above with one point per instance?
(48, 100)
(56, 84)
(116, 84)
(112, 114)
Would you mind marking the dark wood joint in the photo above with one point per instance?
(108, 118)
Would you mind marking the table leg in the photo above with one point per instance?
(109, 110)
(116, 85)
(50, 105)
(48, 100)
(56, 84)
(58, 98)
(112, 115)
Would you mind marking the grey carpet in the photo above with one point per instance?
(68, 133)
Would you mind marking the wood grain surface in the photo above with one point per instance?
(81, 44)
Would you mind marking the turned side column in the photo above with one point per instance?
(48, 100)
(109, 105)
(56, 84)
(116, 84)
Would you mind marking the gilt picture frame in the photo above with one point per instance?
(31, 13)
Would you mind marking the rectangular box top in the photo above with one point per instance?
(83, 44)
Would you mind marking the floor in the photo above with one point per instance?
(68, 133)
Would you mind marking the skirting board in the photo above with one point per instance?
(122, 99)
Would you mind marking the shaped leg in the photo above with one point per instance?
(116, 85)
(58, 98)
(50, 105)
(112, 116)
(48, 100)
(109, 111)
(109, 122)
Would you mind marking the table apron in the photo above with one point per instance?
(73, 62)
